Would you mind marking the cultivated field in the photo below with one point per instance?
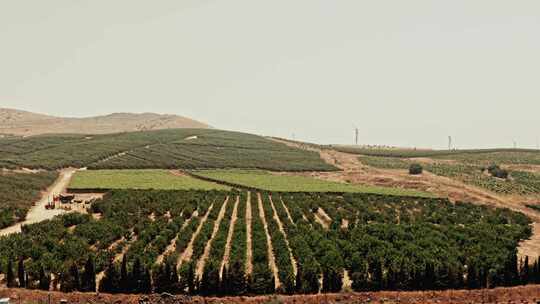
(162, 149)
(290, 183)
(103, 180)
(18, 191)
(467, 170)
(299, 243)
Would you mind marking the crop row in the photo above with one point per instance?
(388, 242)
(158, 149)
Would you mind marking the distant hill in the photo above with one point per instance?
(23, 123)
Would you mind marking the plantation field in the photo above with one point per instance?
(288, 183)
(145, 241)
(18, 191)
(138, 179)
(476, 156)
(468, 171)
(163, 149)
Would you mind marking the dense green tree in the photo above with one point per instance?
(146, 282)
(44, 280)
(125, 281)
(111, 280)
(21, 273)
(88, 279)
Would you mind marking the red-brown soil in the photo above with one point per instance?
(521, 294)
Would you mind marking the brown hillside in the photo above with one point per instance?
(24, 123)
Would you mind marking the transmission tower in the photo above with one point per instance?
(449, 142)
(356, 136)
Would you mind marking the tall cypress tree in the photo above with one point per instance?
(525, 271)
(136, 276)
(21, 274)
(44, 279)
(146, 282)
(111, 281)
(74, 274)
(10, 276)
(124, 278)
(88, 280)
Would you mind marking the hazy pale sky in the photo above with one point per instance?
(406, 73)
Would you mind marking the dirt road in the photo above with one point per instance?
(38, 212)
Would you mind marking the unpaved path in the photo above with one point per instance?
(172, 246)
(38, 213)
(282, 230)
(249, 246)
(186, 255)
(323, 218)
(227, 252)
(271, 258)
(287, 211)
(202, 260)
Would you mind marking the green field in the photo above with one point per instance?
(162, 149)
(286, 183)
(138, 179)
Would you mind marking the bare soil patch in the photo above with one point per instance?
(249, 246)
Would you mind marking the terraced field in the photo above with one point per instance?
(104, 180)
(266, 181)
(137, 241)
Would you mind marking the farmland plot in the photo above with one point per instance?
(137, 179)
(288, 183)
(390, 243)
(18, 191)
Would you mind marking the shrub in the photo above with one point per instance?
(415, 169)
(496, 171)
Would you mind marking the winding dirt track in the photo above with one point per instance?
(353, 171)
(38, 212)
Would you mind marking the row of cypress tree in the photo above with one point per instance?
(166, 278)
